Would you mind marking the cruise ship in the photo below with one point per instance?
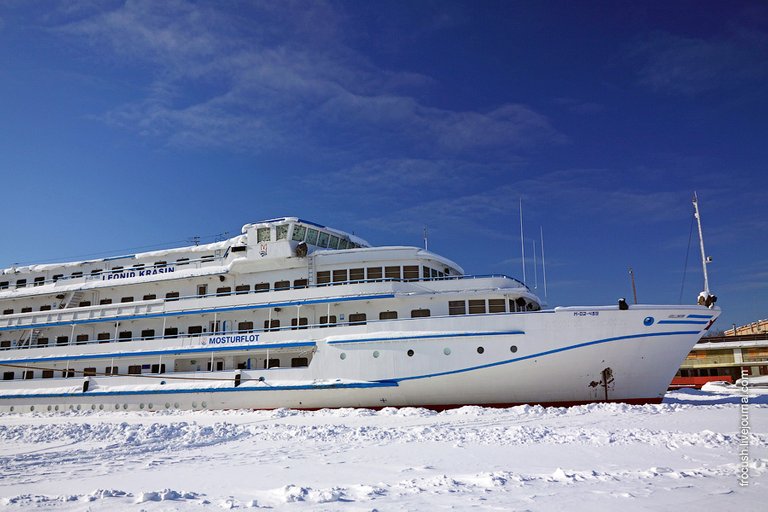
(295, 314)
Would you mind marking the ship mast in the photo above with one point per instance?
(704, 259)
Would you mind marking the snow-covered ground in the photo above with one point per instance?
(681, 455)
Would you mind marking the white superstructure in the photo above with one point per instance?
(294, 314)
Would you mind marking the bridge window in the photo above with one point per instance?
(343, 244)
(281, 232)
(457, 307)
(298, 232)
(263, 235)
(334, 242)
(312, 235)
(374, 273)
(420, 313)
(356, 274)
(476, 306)
(392, 272)
(357, 319)
(411, 272)
(496, 306)
(323, 240)
(388, 315)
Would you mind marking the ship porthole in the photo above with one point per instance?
(56, 408)
(13, 408)
(410, 353)
(167, 405)
(375, 353)
(176, 405)
(78, 407)
(125, 406)
(93, 407)
(117, 406)
(480, 350)
(31, 408)
(447, 351)
(204, 405)
(50, 407)
(194, 405)
(343, 356)
(141, 406)
(150, 406)
(513, 348)
(101, 407)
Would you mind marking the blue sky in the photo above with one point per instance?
(139, 124)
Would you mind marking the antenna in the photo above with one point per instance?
(426, 243)
(704, 258)
(535, 269)
(522, 240)
(632, 278)
(543, 265)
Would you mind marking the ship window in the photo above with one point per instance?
(457, 307)
(134, 369)
(476, 306)
(263, 235)
(103, 337)
(42, 342)
(89, 372)
(374, 273)
(125, 335)
(301, 324)
(496, 306)
(111, 370)
(7, 375)
(245, 327)
(39, 281)
(21, 283)
(195, 329)
(357, 274)
(57, 277)
(343, 244)
(68, 374)
(322, 241)
(392, 272)
(426, 272)
(298, 232)
(207, 258)
(148, 333)
(46, 307)
(158, 368)
(420, 313)
(334, 242)
(388, 315)
(281, 232)
(172, 295)
(312, 236)
(81, 339)
(512, 306)
(84, 303)
(151, 296)
(299, 362)
(115, 270)
(7, 311)
(324, 321)
(339, 276)
(272, 325)
(75, 275)
(47, 374)
(5, 344)
(224, 290)
(272, 363)
(202, 290)
(138, 266)
(300, 283)
(182, 261)
(356, 318)
(28, 374)
(171, 332)
(324, 277)
(261, 287)
(105, 301)
(96, 271)
(4, 285)
(161, 264)
(126, 299)
(62, 340)
(282, 285)
(411, 272)
(27, 309)
(242, 288)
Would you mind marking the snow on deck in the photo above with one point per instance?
(680, 455)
